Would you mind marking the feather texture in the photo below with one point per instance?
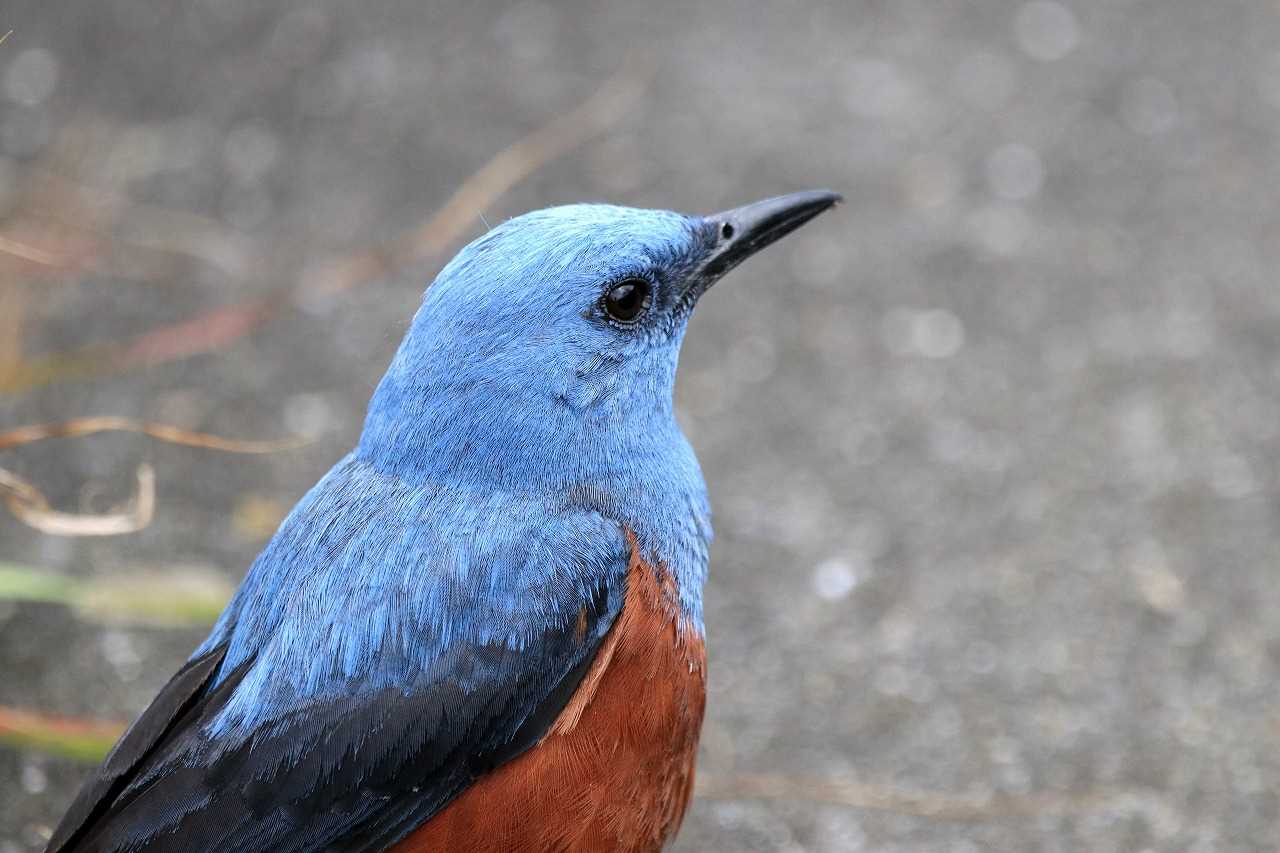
(615, 772)
(427, 611)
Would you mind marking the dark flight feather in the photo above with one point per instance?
(351, 773)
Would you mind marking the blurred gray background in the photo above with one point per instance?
(992, 448)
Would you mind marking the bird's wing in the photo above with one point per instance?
(353, 761)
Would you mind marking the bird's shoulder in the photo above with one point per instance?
(392, 644)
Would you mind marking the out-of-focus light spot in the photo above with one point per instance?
(934, 333)
(1045, 30)
(122, 654)
(931, 182)
(31, 77)
(1148, 106)
(308, 415)
(250, 151)
(34, 779)
(985, 80)
(1001, 229)
(876, 89)
(1015, 172)
(835, 578)
(1159, 587)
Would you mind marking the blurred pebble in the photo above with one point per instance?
(308, 415)
(34, 778)
(121, 652)
(1159, 587)
(835, 578)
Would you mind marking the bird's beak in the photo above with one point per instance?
(740, 233)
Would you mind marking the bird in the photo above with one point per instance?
(482, 629)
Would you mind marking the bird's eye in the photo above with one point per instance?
(627, 300)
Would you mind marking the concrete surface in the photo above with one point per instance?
(992, 449)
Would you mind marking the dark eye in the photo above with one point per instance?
(627, 300)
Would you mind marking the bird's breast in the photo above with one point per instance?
(615, 771)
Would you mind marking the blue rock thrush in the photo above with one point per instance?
(482, 629)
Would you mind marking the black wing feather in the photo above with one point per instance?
(177, 697)
(375, 765)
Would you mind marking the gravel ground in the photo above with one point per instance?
(992, 448)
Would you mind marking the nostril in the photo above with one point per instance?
(726, 231)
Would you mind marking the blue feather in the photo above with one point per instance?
(503, 404)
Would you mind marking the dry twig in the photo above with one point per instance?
(163, 432)
(30, 506)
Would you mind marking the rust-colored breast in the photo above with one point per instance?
(615, 771)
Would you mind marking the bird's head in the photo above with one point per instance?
(547, 348)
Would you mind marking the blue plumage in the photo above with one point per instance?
(429, 606)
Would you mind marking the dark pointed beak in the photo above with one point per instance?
(743, 231)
